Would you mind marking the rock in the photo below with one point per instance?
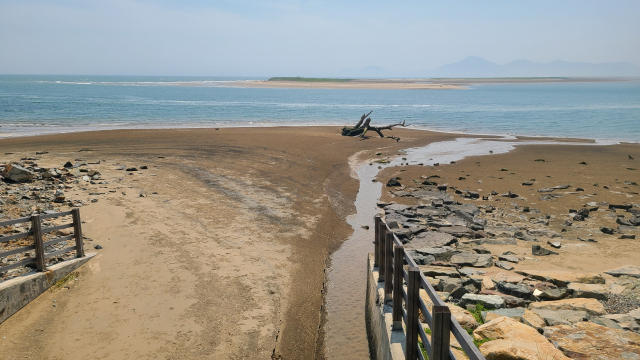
(402, 234)
(606, 322)
(460, 231)
(434, 271)
(500, 241)
(626, 236)
(504, 265)
(563, 278)
(635, 314)
(532, 319)
(591, 306)
(509, 301)
(393, 182)
(584, 212)
(520, 291)
(463, 316)
(632, 271)
(430, 239)
(551, 318)
(448, 284)
(440, 253)
(420, 258)
(621, 207)
(97, 247)
(489, 301)
(625, 321)
(479, 249)
(487, 284)
(514, 341)
(590, 341)
(540, 251)
(555, 244)
(514, 313)
(591, 291)
(17, 173)
(553, 294)
(510, 258)
(607, 230)
(475, 260)
(131, 169)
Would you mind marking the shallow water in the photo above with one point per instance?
(345, 330)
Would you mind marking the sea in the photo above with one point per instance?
(44, 104)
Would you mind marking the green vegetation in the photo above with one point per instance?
(423, 350)
(477, 343)
(477, 313)
(304, 79)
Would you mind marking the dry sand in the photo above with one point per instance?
(224, 258)
(605, 166)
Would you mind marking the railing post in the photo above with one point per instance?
(376, 227)
(398, 256)
(388, 264)
(440, 333)
(37, 242)
(77, 232)
(413, 311)
(383, 241)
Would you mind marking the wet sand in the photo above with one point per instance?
(225, 255)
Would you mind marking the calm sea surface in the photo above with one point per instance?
(43, 104)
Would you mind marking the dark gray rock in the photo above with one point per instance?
(606, 322)
(524, 236)
(440, 253)
(17, 173)
(430, 239)
(554, 293)
(489, 301)
(607, 230)
(520, 291)
(504, 265)
(393, 182)
(627, 236)
(460, 231)
(510, 258)
(540, 251)
(472, 259)
(421, 259)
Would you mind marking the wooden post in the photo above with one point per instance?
(376, 227)
(37, 242)
(413, 313)
(77, 232)
(440, 333)
(383, 241)
(398, 256)
(388, 264)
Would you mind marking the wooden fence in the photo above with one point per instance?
(390, 257)
(39, 245)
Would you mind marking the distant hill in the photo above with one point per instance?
(473, 66)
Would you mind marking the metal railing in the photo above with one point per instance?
(390, 257)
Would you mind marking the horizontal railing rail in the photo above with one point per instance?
(39, 244)
(390, 258)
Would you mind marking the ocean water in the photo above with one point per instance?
(37, 104)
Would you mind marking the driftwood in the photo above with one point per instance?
(363, 126)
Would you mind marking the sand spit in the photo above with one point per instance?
(217, 248)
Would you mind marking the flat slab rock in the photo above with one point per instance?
(472, 259)
(514, 340)
(591, 306)
(632, 271)
(430, 239)
(588, 340)
(563, 278)
(434, 271)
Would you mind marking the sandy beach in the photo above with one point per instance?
(224, 257)
(219, 248)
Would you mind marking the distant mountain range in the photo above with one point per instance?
(477, 67)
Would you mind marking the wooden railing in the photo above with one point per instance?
(39, 245)
(390, 257)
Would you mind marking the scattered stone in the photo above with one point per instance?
(433, 271)
(17, 173)
(563, 278)
(524, 236)
(607, 230)
(592, 291)
(591, 306)
(625, 321)
(488, 301)
(509, 257)
(97, 247)
(520, 291)
(552, 293)
(537, 250)
(475, 260)
(555, 244)
(504, 265)
(431, 239)
(393, 182)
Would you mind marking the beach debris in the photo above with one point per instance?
(364, 125)
(393, 182)
(17, 173)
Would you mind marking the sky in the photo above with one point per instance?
(305, 38)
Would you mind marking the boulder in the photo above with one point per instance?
(591, 306)
(470, 259)
(509, 301)
(520, 291)
(592, 291)
(632, 271)
(552, 294)
(420, 258)
(463, 316)
(532, 319)
(434, 271)
(563, 278)
(440, 253)
(489, 301)
(514, 341)
(625, 321)
(488, 284)
(588, 340)
(430, 239)
(17, 173)
(514, 313)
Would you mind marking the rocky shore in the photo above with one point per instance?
(468, 248)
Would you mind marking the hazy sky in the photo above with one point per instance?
(306, 38)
